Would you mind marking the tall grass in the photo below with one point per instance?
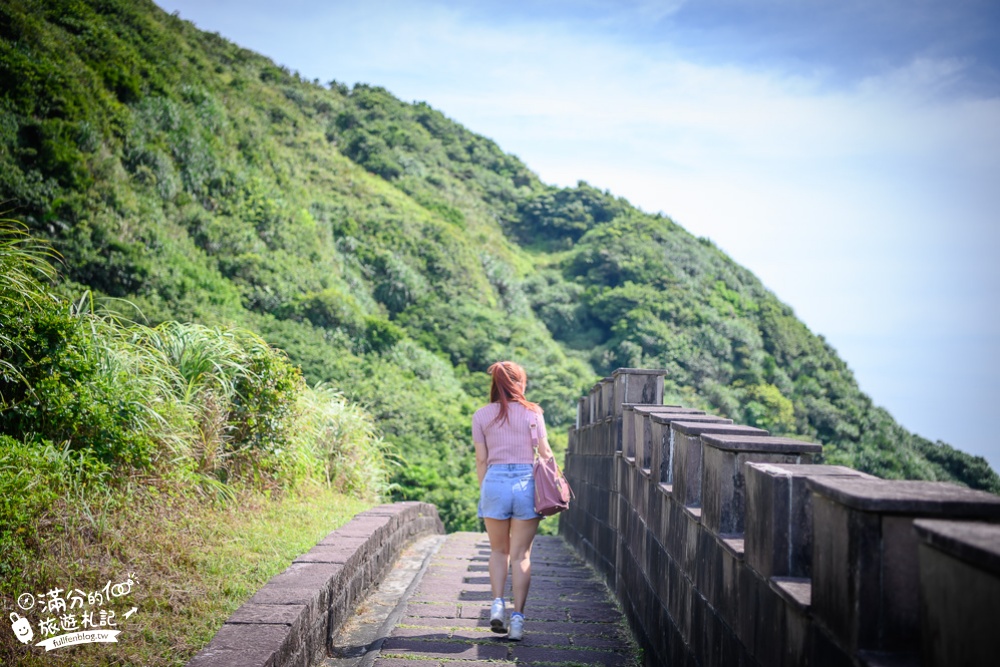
(210, 404)
(23, 266)
(343, 438)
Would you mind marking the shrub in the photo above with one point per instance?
(61, 391)
(264, 404)
(766, 408)
(381, 334)
(333, 308)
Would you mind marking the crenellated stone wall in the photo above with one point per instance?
(727, 546)
(292, 619)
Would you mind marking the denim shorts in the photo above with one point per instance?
(508, 491)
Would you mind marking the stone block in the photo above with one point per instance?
(707, 575)
(723, 484)
(769, 626)
(603, 440)
(682, 609)
(624, 572)
(959, 590)
(637, 429)
(646, 556)
(603, 506)
(823, 651)
(644, 443)
(639, 385)
(607, 398)
(733, 652)
(625, 479)
(293, 586)
(654, 504)
(709, 644)
(335, 553)
(865, 577)
(364, 526)
(727, 591)
(696, 623)
(317, 638)
(269, 614)
(650, 491)
(648, 440)
(796, 645)
(779, 521)
(662, 442)
(659, 561)
(591, 445)
(628, 431)
(679, 651)
(659, 436)
(782, 632)
(676, 535)
(689, 557)
(663, 514)
(651, 408)
(687, 455)
(796, 591)
(664, 636)
(583, 440)
(752, 590)
(246, 645)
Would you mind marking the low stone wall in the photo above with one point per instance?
(291, 620)
(727, 546)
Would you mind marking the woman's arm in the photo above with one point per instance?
(544, 450)
(481, 457)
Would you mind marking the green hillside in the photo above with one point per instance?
(389, 251)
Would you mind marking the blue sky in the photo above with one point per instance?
(847, 152)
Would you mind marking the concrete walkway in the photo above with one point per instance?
(570, 619)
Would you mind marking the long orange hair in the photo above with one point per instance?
(505, 388)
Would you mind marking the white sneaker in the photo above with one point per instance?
(516, 627)
(498, 613)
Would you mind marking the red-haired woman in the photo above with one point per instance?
(504, 433)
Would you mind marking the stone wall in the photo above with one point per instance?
(726, 546)
(291, 620)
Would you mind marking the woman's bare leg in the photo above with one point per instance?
(499, 532)
(522, 533)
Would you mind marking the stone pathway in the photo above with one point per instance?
(571, 619)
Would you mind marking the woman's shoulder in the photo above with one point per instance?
(527, 413)
(488, 410)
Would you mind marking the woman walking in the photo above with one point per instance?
(505, 433)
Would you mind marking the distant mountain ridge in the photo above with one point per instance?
(389, 250)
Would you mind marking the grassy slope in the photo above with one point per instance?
(194, 564)
(389, 250)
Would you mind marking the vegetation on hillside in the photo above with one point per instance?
(388, 251)
(124, 447)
